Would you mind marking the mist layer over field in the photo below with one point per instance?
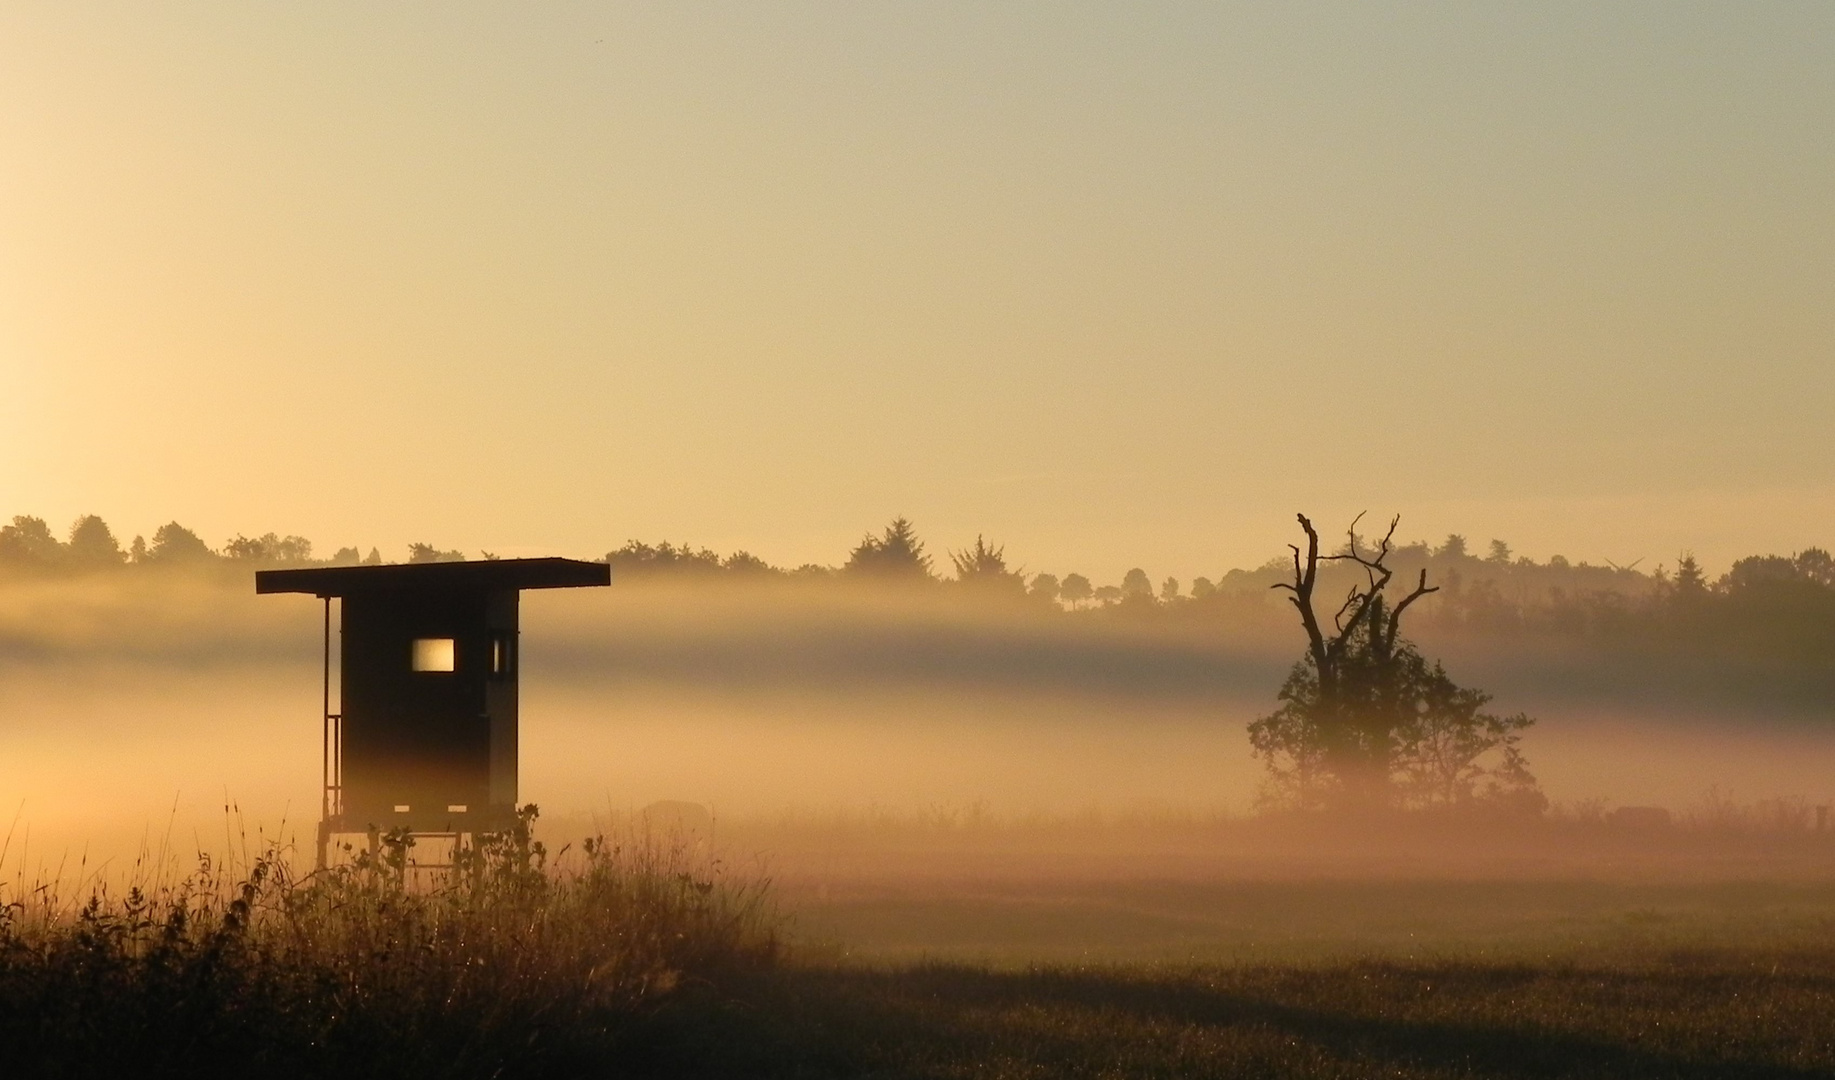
(141, 706)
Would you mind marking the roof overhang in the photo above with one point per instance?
(489, 575)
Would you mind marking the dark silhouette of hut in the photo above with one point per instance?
(425, 733)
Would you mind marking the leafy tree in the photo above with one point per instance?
(270, 548)
(744, 562)
(1169, 590)
(1761, 573)
(1045, 588)
(1202, 587)
(1075, 590)
(173, 543)
(288, 549)
(427, 553)
(93, 545)
(1363, 718)
(1500, 553)
(1817, 565)
(1450, 752)
(1438, 748)
(1136, 583)
(1108, 594)
(1453, 547)
(346, 556)
(639, 558)
(28, 541)
(244, 549)
(1293, 743)
(896, 555)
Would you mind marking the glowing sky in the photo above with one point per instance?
(1114, 284)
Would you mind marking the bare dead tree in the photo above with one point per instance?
(1362, 602)
(1351, 745)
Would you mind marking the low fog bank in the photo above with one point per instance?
(825, 636)
(137, 708)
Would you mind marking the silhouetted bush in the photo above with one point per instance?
(506, 966)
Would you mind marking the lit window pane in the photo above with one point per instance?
(433, 654)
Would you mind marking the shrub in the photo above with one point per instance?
(503, 966)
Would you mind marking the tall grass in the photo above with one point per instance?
(510, 963)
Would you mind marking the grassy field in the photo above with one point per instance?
(635, 958)
(1013, 925)
(1685, 1014)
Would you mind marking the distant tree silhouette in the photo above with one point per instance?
(1453, 547)
(427, 553)
(1816, 565)
(1202, 587)
(1778, 577)
(269, 548)
(1690, 583)
(1135, 583)
(174, 544)
(346, 556)
(1075, 590)
(1169, 590)
(983, 568)
(1500, 553)
(1108, 594)
(896, 555)
(92, 545)
(28, 542)
(1364, 720)
(1045, 588)
(637, 558)
(744, 562)
(244, 549)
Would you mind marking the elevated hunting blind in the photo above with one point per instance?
(424, 736)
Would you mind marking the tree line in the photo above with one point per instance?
(1364, 718)
(28, 546)
(1497, 592)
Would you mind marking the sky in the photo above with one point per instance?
(1114, 285)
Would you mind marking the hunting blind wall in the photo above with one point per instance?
(424, 736)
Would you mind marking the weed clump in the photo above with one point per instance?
(508, 963)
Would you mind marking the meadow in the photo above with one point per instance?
(947, 840)
(953, 944)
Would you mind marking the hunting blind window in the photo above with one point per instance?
(503, 654)
(434, 654)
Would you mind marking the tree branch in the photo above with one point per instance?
(1395, 617)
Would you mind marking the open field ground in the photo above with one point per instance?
(994, 847)
(1013, 925)
(962, 947)
(1649, 1009)
(1690, 1014)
